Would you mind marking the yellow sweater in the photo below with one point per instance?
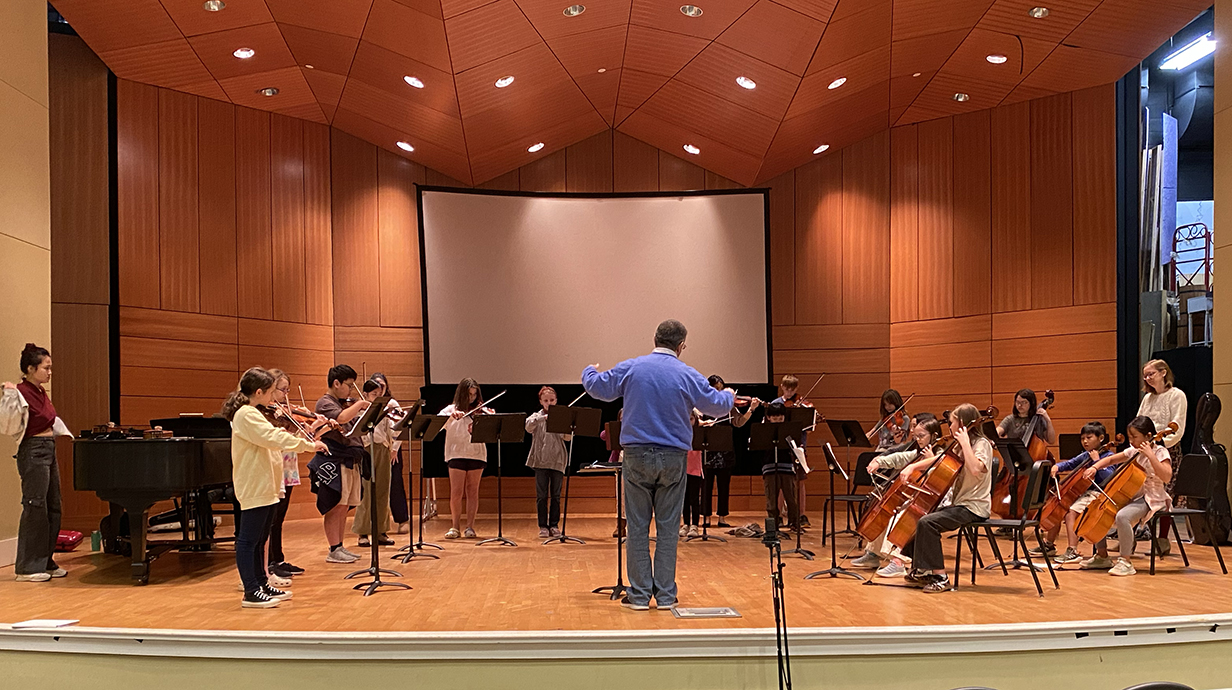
(256, 457)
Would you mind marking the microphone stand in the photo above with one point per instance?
(771, 540)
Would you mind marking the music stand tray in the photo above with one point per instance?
(575, 421)
(706, 439)
(499, 429)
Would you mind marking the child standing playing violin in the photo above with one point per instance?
(1093, 436)
(549, 459)
(466, 460)
(778, 473)
(256, 458)
(789, 396)
(1155, 460)
(278, 566)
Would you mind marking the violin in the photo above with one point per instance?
(802, 400)
(1125, 485)
(897, 417)
(1075, 485)
(746, 400)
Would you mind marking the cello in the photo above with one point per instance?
(1125, 485)
(1068, 491)
(1009, 488)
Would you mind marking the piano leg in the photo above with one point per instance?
(138, 518)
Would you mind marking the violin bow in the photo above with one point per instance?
(583, 395)
(886, 418)
(810, 390)
(481, 405)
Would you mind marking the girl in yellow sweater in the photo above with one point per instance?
(256, 471)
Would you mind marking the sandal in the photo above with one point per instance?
(470, 533)
(363, 542)
(453, 533)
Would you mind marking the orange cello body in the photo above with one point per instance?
(1075, 485)
(1125, 485)
(1008, 490)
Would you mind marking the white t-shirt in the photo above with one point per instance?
(1154, 489)
(458, 438)
(975, 492)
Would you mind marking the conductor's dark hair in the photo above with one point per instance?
(371, 385)
(670, 334)
(383, 380)
(31, 357)
(341, 372)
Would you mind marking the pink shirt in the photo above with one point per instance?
(695, 463)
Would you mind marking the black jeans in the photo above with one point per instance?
(251, 533)
(784, 483)
(275, 540)
(925, 552)
(692, 499)
(547, 487)
(398, 506)
(723, 476)
(40, 505)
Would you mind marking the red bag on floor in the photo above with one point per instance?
(68, 540)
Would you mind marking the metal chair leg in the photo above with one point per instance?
(1180, 544)
(958, 559)
(1021, 540)
(996, 550)
(1047, 561)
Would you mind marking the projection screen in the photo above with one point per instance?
(529, 289)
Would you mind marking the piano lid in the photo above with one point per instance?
(195, 427)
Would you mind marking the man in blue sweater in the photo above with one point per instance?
(659, 392)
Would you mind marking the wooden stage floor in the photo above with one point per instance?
(537, 587)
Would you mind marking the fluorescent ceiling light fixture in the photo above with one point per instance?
(413, 81)
(1038, 12)
(268, 91)
(1191, 53)
(405, 146)
(574, 10)
(690, 148)
(821, 149)
(536, 148)
(837, 83)
(691, 10)
(996, 59)
(213, 5)
(961, 97)
(746, 83)
(244, 53)
(504, 81)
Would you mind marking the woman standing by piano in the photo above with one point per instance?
(257, 472)
(26, 414)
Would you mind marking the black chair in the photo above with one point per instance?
(855, 502)
(1194, 479)
(1033, 499)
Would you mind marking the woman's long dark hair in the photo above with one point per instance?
(462, 396)
(253, 380)
(1033, 402)
(381, 379)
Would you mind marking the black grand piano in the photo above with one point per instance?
(133, 474)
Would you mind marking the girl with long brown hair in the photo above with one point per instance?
(466, 460)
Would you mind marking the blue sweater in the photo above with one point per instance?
(659, 391)
(1101, 477)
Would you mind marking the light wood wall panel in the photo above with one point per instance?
(635, 165)
(546, 174)
(866, 231)
(1094, 146)
(1052, 203)
(216, 205)
(137, 193)
(904, 223)
(398, 231)
(287, 219)
(783, 248)
(1011, 207)
(819, 241)
(355, 238)
(677, 174)
(588, 164)
(934, 212)
(178, 263)
(972, 214)
(318, 226)
(253, 227)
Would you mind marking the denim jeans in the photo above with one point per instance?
(654, 479)
(40, 505)
(251, 531)
(547, 496)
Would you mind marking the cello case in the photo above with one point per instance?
(1203, 443)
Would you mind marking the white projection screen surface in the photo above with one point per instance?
(530, 289)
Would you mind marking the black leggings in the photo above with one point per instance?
(275, 537)
(724, 477)
(692, 500)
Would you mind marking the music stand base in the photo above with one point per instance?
(564, 539)
(371, 587)
(406, 555)
(804, 553)
(503, 541)
(617, 591)
(373, 572)
(834, 572)
(705, 537)
(1019, 564)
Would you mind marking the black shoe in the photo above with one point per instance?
(364, 543)
(280, 569)
(938, 583)
(721, 523)
(916, 578)
(275, 593)
(291, 568)
(384, 540)
(636, 607)
(259, 600)
(804, 522)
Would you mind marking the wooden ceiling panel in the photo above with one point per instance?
(404, 31)
(172, 64)
(659, 52)
(452, 8)
(346, 17)
(417, 123)
(549, 19)
(1010, 17)
(536, 72)
(776, 35)
(496, 160)
(915, 18)
(821, 10)
(193, 19)
(938, 95)
(440, 159)
(851, 36)
(432, 8)
(293, 91)
(215, 51)
(585, 53)
(326, 52)
(206, 89)
(925, 53)
(861, 72)
(107, 25)
(524, 121)
(1126, 27)
(384, 69)
(713, 117)
(1071, 69)
(904, 89)
(635, 88)
(1023, 55)
(717, 15)
(488, 33)
(798, 137)
(670, 136)
(327, 87)
(716, 68)
(601, 90)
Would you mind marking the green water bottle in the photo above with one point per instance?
(96, 540)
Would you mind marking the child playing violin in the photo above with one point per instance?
(466, 460)
(1155, 460)
(778, 473)
(1093, 436)
(789, 396)
(893, 420)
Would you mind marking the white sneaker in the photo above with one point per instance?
(867, 561)
(684, 531)
(34, 577)
(58, 572)
(693, 531)
(1122, 568)
(344, 549)
(893, 569)
(340, 556)
(1096, 562)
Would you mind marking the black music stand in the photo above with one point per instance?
(847, 433)
(575, 421)
(422, 428)
(499, 429)
(370, 418)
(1014, 455)
(613, 446)
(835, 469)
(706, 439)
(778, 437)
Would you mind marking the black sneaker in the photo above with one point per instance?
(291, 568)
(804, 522)
(1048, 549)
(280, 570)
(915, 578)
(259, 600)
(938, 583)
(275, 593)
(636, 607)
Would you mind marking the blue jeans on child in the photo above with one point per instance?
(654, 479)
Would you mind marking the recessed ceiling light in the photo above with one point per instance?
(602, 70)
(821, 149)
(691, 10)
(690, 148)
(413, 81)
(534, 148)
(268, 91)
(837, 83)
(574, 10)
(996, 59)
(1038, 12)
(405, 146)
(1190, 53)
(916, 74)
(309, 67)
(213, 5)
(746, 82)
(244, 53)
(961, 97)
(504, 81)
